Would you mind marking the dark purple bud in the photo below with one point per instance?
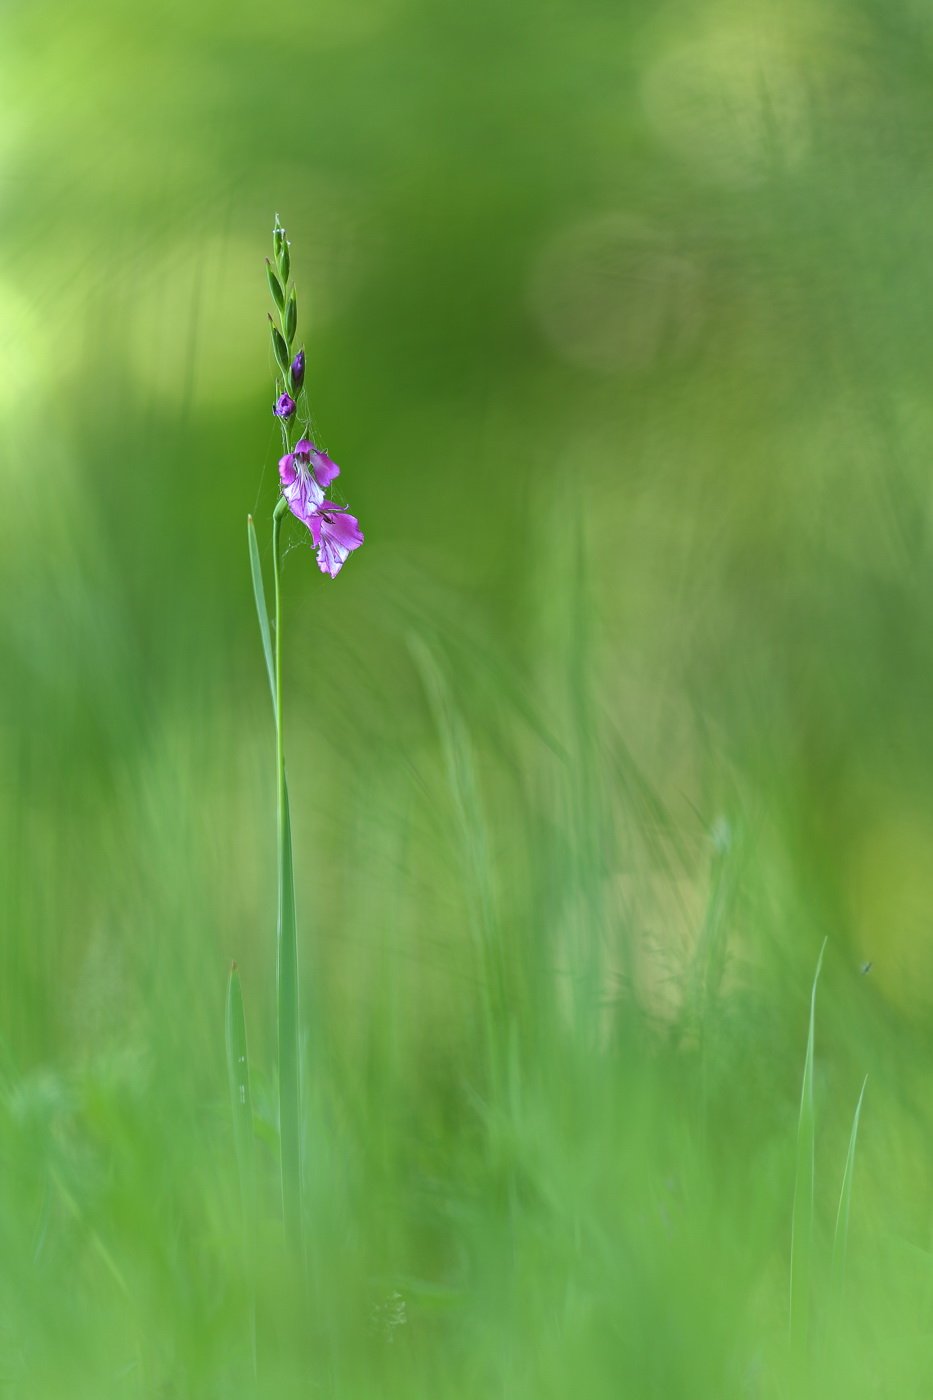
(284, 406)
(297, 371)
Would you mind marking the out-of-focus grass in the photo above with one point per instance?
(620, 329)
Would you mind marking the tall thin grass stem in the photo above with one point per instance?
(801, 1250)
(477, 871)
(238, 1077)
(286, 948)
(241, 1108)
(841, 1232)
(262, 611)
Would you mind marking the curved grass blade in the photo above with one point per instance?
(241, 1107)
(286, 933)
(841, 1233)
(289, 1066)
(74, 1210)
(286, 950)
(464, 787)
(259, 593)
(262, 612)
(801, 1248)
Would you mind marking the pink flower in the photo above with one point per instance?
(305, 474)
(335, 534)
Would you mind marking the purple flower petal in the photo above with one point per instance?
(335, 533)
(284, 406)
(325, 469)
(299, 487)
(343, 529)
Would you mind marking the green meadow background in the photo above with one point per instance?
(618, 320)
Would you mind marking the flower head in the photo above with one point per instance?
(324, 468)
(335, 534)
(305, 474)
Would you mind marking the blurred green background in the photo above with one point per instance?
(618, 320)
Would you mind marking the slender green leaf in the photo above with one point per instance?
(289, 1069)
(291, 317)
(262, 612)
(286, 954)
(241, 1109)
(801, 1261)
(477, 862)
(259, 593)
(283, 259)
(841, 1233)
(238, 1076)
(280, 349)
(100, 1248)
(287, 933)
(275, 287)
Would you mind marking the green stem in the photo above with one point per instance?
(286, 948)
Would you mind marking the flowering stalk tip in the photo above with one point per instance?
(280, 250)
(305, 471)
(283, 260)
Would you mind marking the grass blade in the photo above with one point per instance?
(477, 867)
(801, 1249)
(287, 1012)
(241, 1107)
(259, 593)
(286, 934)
(289, 1067)
(841, 1233)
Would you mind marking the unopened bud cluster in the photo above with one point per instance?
(291, 363)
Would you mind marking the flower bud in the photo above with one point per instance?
(284, 406)
(291, 316)
(283, 259)
(296, 374)
(275, 287)
(279, 347)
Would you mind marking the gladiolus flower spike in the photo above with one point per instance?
(305, 474)
(305, 471)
